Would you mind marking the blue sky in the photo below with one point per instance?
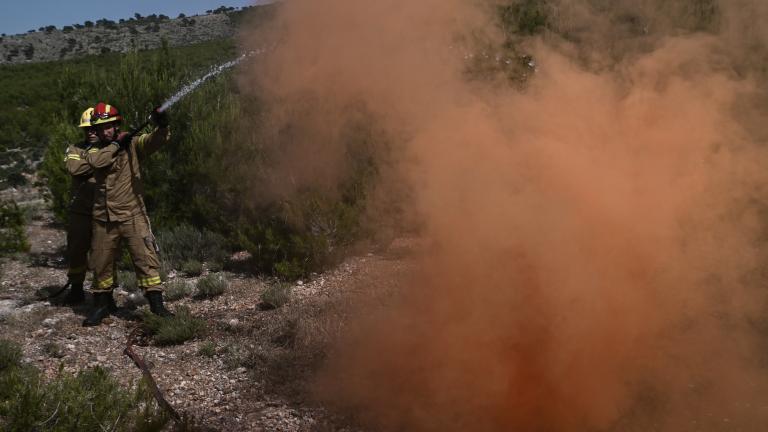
(18, 16)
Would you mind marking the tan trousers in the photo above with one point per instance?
(136, 237)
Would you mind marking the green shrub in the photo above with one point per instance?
(10, 354)
(176, 290)
(174, 330)
(16, 179)
(53, 170)
(207, 349)
(52, 349)
(124, 261)
(184, 243)
(276, 294)
(87, 401)
(192, 267)
(13, 237)
(215, 266)
(526, 17)
(165, 268)
(127, 280)
(211, 286)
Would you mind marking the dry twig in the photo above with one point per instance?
(139, 361)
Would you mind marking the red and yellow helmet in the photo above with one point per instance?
(104, 113)
(85, 118)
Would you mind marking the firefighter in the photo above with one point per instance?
(80, 208)
(118, 210)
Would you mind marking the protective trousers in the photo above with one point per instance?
(137, 238)
(78, 243)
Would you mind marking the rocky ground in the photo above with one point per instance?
(251, 369)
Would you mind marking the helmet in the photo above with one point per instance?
(85, 119)
(104, 113)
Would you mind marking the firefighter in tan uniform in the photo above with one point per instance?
(80, 208)
(119, 211)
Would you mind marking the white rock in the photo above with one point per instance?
(7, 306)
(31, 307)
(137, 298)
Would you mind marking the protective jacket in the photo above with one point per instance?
(119, 194)
(83, 183)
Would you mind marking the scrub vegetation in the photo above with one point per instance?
(91, 400)
(12, 236)
(174, 330)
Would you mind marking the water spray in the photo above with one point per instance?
(213, 72)
(216, 70)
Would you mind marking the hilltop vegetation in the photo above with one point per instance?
(49, 43)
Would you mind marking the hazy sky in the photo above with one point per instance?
(18, 16)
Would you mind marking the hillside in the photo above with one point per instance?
(51, 43)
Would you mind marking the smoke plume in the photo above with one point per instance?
(597, 237)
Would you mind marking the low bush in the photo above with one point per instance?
(192, 267)
(16, 179)
(92, 400)
(184, 244)
(174, 330)
(526, 17)
(276, 295)
(176, 290)
(207, 349)
(124, 261)
(211, 286)
(53, 350)
(127, 280)
(13, 237)
(215, 266)
(10, 354)
(165, 269)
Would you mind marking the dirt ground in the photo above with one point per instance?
(257, 378)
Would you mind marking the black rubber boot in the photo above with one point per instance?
(101, 308)
(155, 299)
(112, 304)
(75, 294)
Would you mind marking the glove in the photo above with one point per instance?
(159, 118)
(123, 140)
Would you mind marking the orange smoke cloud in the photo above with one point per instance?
(596, 254)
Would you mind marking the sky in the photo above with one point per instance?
(19, 16)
